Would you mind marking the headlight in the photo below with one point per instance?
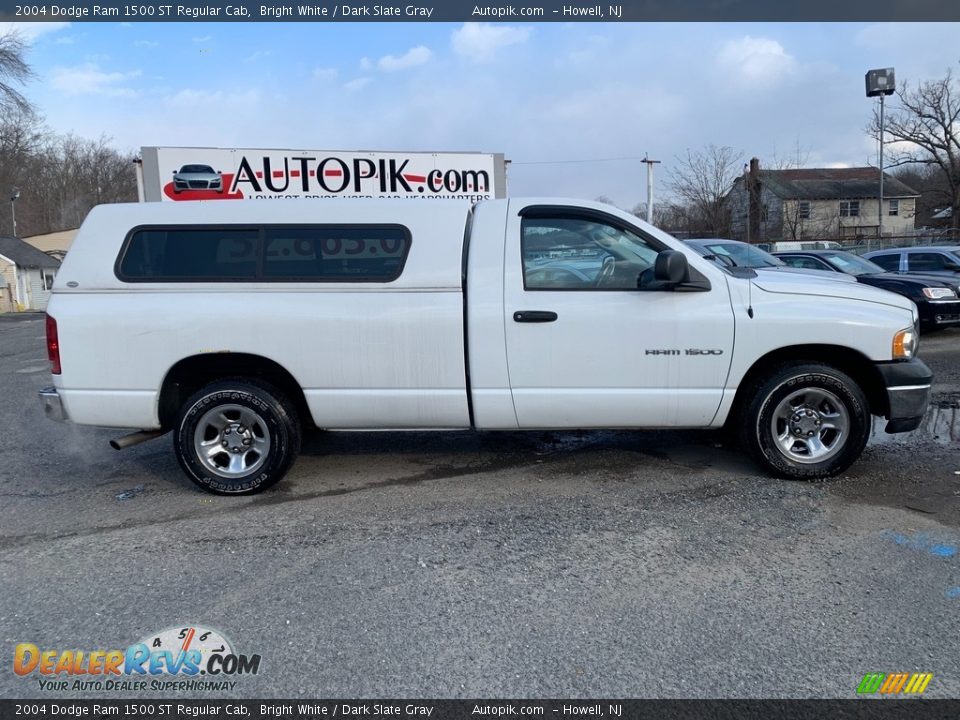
(905, 344)
(939, 293)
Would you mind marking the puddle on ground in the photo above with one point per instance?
(941, 424)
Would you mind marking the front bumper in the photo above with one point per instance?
(908, 393)
(52, 405)
(939, 313)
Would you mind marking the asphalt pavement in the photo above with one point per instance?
(591, 564)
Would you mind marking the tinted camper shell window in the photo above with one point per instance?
(264, 253)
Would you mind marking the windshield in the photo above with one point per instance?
(744, 255)
(852, 264)
(196, 169)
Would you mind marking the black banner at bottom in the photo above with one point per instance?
(882, 709)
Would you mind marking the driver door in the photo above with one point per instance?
(586, 348)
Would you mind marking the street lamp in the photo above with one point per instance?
(880, 83)
(14, 195)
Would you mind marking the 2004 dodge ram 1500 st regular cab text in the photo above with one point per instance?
(233, 324)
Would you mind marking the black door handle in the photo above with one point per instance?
(534, 316)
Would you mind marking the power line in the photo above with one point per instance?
(564, 162)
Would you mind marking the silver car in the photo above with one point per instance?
(736, 253)
(197, 177)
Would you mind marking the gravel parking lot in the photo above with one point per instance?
(620, 564)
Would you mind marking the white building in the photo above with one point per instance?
(26, 276)
(818, 204)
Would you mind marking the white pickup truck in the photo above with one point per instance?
(234, 324)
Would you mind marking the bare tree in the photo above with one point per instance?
(814, 223)
(73, 174)
(59, 178)
(925, 129)
(700, 181)
(800, 158)
(793, 225)
(667, 216)
(934, 192)
(21, 137)
(13, 71)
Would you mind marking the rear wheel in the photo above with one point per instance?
(806, 421)
(237, 437)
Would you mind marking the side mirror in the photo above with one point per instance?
(671, 267)
(951, 266)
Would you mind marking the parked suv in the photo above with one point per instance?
(944, 261)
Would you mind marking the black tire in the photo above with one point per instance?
(785, 422)
(253, 416)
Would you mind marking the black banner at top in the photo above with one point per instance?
(479, 11)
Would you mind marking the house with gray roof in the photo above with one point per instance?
(26, 276)
(818, 204)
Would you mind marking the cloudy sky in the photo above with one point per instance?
(540, 93)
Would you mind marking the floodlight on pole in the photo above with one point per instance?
(880, 83)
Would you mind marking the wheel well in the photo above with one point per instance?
(853, 363)
(192, 373)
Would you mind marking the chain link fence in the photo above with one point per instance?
(920, 239)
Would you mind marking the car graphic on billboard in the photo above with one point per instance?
(197, 177)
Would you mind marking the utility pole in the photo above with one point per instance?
(649, 163)
(14, 196)
(746, 188)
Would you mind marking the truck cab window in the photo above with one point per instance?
(582, 254)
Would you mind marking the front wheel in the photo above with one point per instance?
(237, 437)
(806, 421)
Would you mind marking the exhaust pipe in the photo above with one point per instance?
(135, 438)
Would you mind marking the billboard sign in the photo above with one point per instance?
(174, 174)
